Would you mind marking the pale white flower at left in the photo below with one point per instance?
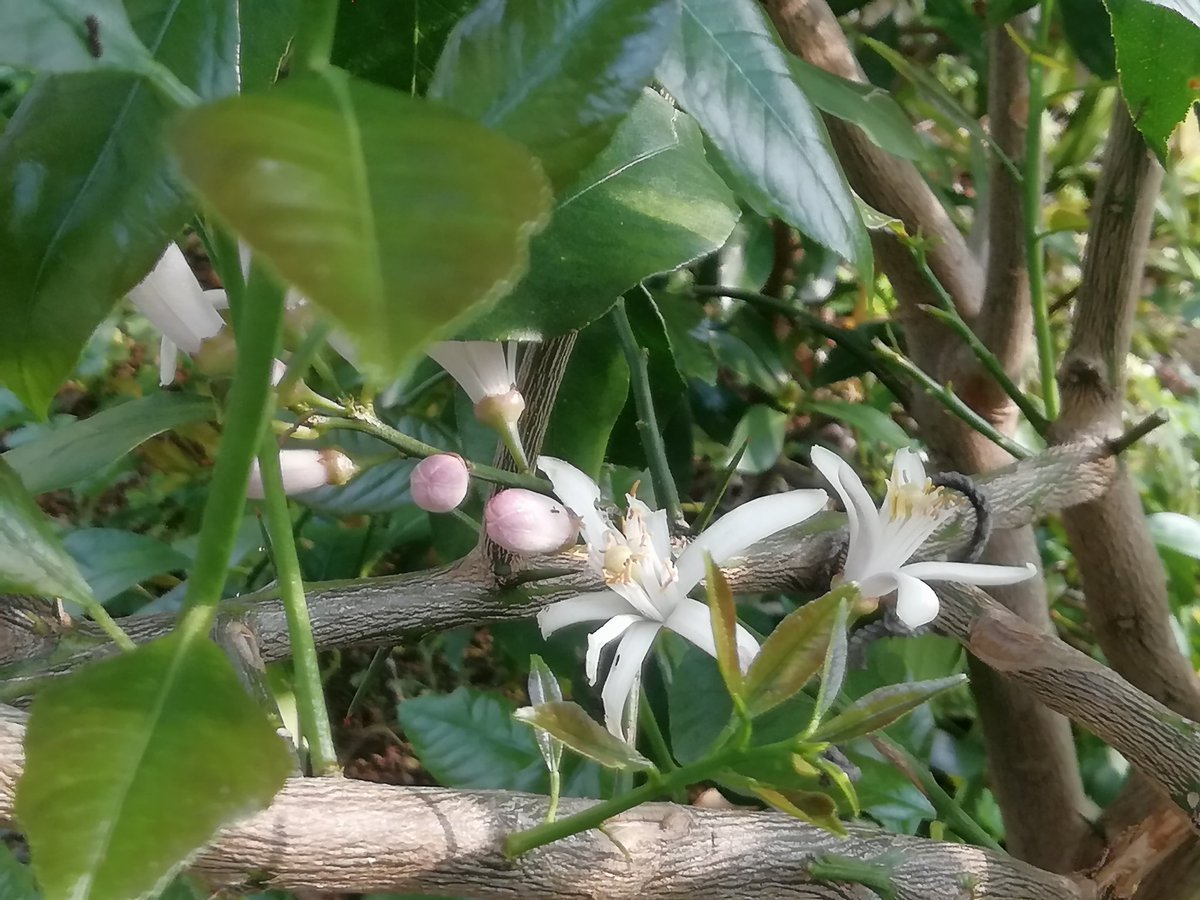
(883, 540)
(482, 368)
(648, 587)
(171, 298)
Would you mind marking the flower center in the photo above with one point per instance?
(620, 563)
(906, 500)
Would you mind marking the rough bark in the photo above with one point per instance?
(331, 834)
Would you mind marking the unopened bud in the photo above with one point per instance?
(500, 411)
(529, 523)
(217, 356)
(305, 470)
(439, 483)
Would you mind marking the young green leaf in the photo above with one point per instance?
(833, 671)
(570, 724)
(392, 214)
(723, 612)
(794, 652)
(807, 806)
(543, 688)
(556, 75)
(882, 707)
(32, 558)
(133, 763)
(16, 880)
(69, 36)
(841, 780)
(761, 122)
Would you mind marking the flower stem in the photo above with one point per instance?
(656, 452)
(257, 332)
(310, 694)
(950, 400)
(1034, 252)
(100, 616)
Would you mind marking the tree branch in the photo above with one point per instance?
(341, 835)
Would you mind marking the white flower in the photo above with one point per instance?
(648, 589)
(883, 540)
(171, 298)
(304, 470)
(482, 368)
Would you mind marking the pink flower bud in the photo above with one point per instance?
(529, 523)
(439, 483)
(305, 470)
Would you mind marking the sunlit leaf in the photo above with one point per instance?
(882, 707)
(728, 70)
(390, 213)
(133, 763)
(1176, 531)
(570, 724)
(795, 651)
(723, 612)
(556, 75)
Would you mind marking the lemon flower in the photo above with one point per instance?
(487, 371)
(647, 587)
(883, 540)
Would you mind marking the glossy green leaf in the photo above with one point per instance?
(394, 44)
(593, 393)
(728, 70)
(32, 558)
(80, 449)
(112, 561)
(1190, 9)
(267, 27)
(1176, 532)
(69, 36)
(543, 688)
(649, 203)
(833, 670)
(390, 213)
(1158, 60)
(570, 724)
(723, 612)
(761, 431)
(134, 762)
(556, 75)
(869, 107)
(873, 424)
(16, 880)
(88, 196)
(882, 707)
(795, 651)
(1088, 29)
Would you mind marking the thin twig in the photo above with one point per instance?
(1123, 442)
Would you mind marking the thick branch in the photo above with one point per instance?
(337, 835)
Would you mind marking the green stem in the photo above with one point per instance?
(374, 670)
(169, 86)
(257, 334)
(658, 743)
(100, 616)
(950, 400)
(310, 694)
(314, 38)
(854, 871)
(1034, 252)
(364, 420)
(555, 790)
(647, 422)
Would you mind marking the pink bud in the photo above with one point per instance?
(305, 470)
(439, 483)
(529, 523)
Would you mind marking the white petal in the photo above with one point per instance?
(969, 573)
(601, 638)
(916, 603)
(480, 367)
(744, 526)
(693, 622)
(877, 584)
(622, 677)
(510, 361)
(593, 607)
(747, 647)
(907, 467)
(860, 509)
(168, 358)
(216, 298)
(638, 594)
(579, 494)
(170, 297)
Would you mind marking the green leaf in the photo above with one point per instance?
(88, 195)
(570, 724)
(591, 397)
(394, 44)
(267, 27)
(833, 670)
(113, 561)
(1176, 532)
(543, 688)
(795, 651)
(69, 36)
(649, 203)
(728, 70)
(133, 763)
(16, 880)
(882, 707)
(1158, 59)
(723, 613)
(556, 75)
(390, 213)
(80, 449)
(871, 423)
(807, 806)
(761, 432)
(1190, 9)
(869, 107)
(32, 559)
(1088, 29)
